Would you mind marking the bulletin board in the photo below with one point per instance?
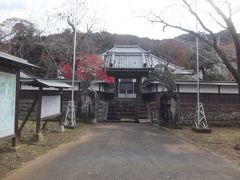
(51, 106)
(7, 104)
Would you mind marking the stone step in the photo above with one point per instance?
(128, 103)
(122, 109)
(144, 120)
(122, 114)
(115, 118)
(120, 117)
(141, 108)
(142, 111)
(127, 108)
(122, 120)
(142, 117)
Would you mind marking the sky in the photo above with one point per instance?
(114, 16)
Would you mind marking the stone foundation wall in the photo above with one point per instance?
(216, 114)
(220, 109)
(23, 107)
(101, 110)
(85, 106)
(154, 111)
(102, 103)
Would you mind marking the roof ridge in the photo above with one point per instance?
(126, 45)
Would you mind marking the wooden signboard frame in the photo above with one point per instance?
(38, 101)
(39, 109)
(12, 65)
(13, 136)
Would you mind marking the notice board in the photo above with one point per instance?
(51, 106)
(7, 104)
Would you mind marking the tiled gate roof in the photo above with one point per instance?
(134, 57)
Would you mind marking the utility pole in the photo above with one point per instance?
(70, 118)
(201, 121)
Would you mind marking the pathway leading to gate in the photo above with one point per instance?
(128, 151)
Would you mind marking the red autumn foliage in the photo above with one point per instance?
(67, 71)
(88, 65)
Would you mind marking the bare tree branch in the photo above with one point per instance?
(219, 23)
(213, 41)
(9, 34)
(231, 29)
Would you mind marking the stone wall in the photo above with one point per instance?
(153, 103)
(86, 106)
(220, 109)
(216, 114)
(23, 107)
(101, 110)
(154, 111)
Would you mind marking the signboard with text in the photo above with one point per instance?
(7, 104)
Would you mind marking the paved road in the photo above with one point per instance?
(128, 151)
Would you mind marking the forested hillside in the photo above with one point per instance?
(21, 38)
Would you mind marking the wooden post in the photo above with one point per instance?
(116, 88)
(38, 124)
(15, 139)
(95, 113)
(139, 87)
(61, 105)
(38, 136)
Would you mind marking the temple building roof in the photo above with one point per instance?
(134, 57)
(127, 57)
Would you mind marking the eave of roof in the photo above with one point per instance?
(129, 69)
(13, 60)
(24, 80)
(127, 46)
(215, 83)
(48, 83)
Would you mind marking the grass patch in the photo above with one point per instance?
(222, 140)
(29, 149)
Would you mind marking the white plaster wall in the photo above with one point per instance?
(208, 89)
(229, 89)
(189, 88)
(192, 88)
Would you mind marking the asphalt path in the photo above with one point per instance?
(128, 151)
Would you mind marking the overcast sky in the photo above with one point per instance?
(115, 16)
